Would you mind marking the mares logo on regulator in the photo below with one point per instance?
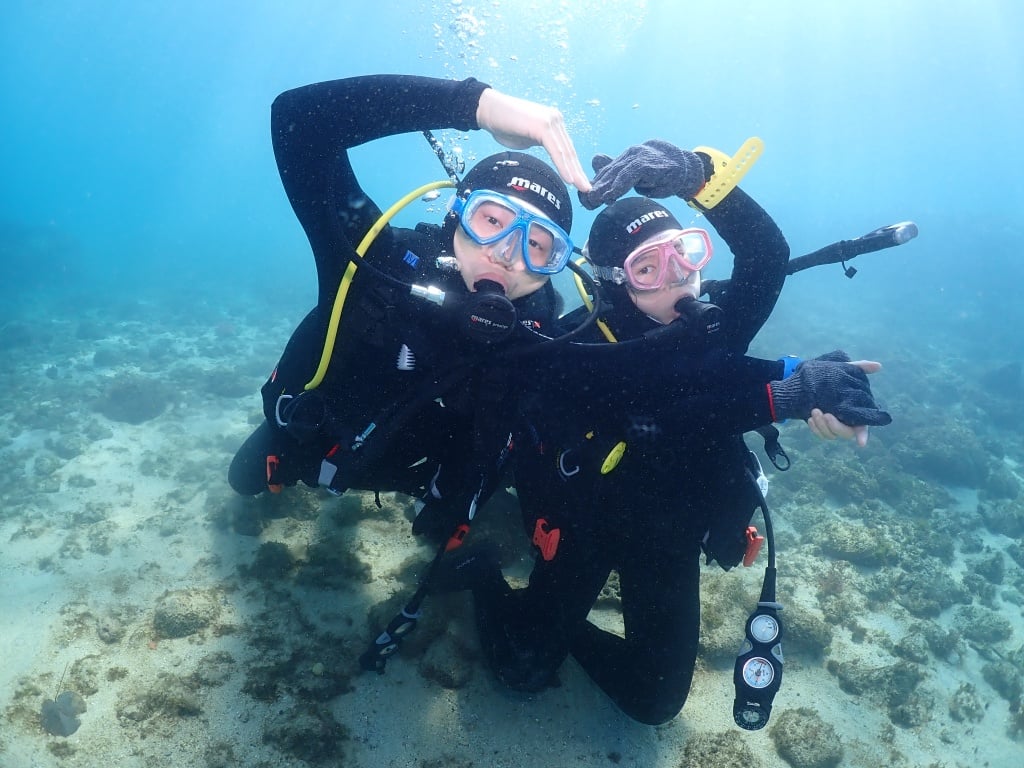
(703, 319)
(487, 315)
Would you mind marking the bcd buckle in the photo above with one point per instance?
(330, 477)
(754, 544)
(272, 465)
(546, 539)
(457, 537)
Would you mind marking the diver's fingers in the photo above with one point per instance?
(861, 436)
(814, 430)
(818, 427)
(828, 427)
(518, 124)
(566, 159)
(554, 137)
(868, 366)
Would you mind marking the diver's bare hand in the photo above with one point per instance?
(518, 124)
(828, 427)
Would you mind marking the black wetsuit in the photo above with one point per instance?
(683, 477)
(395, 356)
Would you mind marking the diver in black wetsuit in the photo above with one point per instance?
(408, 388)
(639, 478)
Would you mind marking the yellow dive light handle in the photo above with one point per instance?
(350, 271)
(728, 171)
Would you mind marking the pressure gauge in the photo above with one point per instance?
(758, 671)
(764, 628)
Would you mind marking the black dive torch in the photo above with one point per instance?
(842, 251)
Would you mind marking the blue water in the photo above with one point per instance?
(137, 163)
(136, 151)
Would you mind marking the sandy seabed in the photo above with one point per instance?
(202, 629)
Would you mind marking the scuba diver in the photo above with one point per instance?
(389, 383)
(647, 468)
(398, 379)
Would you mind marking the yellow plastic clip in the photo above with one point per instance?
(611, 461)
(728, 171)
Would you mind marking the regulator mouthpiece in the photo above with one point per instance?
(703, 316)
(488, 286)
(487, 315)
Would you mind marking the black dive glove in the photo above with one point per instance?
(655, 168)
(831, 384)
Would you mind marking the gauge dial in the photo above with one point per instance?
(758, 672)
(750, 718)
(764, 628)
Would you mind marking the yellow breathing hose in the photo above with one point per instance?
(350, 271)
(589, 304)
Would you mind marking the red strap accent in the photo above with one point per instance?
(457, 537)
(272, 464)
(754, 544)
(771, 402)
(546, 539)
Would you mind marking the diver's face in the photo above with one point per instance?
(491, 262)
(660, 304)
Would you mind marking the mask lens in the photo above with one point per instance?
(486, 220)
(694, 248)
(645, 269)
(548, 248)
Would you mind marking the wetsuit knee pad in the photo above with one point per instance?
(249, 470)
(656, 710)
(523, 655)
(247, 474)
(527, 668)
(657, 696)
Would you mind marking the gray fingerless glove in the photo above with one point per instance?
(655, 168)
(832, 384)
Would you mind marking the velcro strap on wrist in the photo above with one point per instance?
(789, 363)
(728, 171)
